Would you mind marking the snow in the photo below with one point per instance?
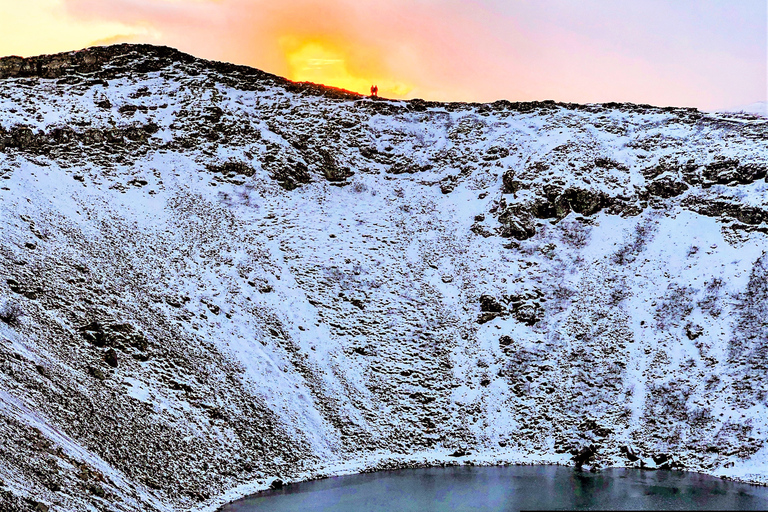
(331, 329)
(758, 108)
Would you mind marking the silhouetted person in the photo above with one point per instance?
(376, 90)
(373, 90)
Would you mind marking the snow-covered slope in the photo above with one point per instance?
(225, 277)
(758, 108)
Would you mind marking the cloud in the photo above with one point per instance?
(33, 27)
(702, 53)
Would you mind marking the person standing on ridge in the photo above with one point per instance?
(376, 90)
(373, 90)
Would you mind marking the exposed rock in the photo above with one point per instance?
(91, 60)
(511, 185)
(486, 317)
(751, 215)
(21, 137)
(666, 187)
(404, 167)
(608, 163)
(461, 451)
(96, 373)
(722, 170)
(110, 357)
(731, 171)
(290, 176)
(489, 303)
(232, 167)
(331, 169)
(173, 302)
(528, 313)
(518, 224)
(693, 331)
(602, 431)
(116, 335)
(583, 455)
(496, 153)
(584, 201)
(630, 453)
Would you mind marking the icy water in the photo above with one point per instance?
(509, 488)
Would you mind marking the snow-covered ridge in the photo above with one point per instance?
(758, 108)
(226, 277)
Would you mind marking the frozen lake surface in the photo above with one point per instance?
(509, 488)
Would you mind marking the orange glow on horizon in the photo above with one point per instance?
(704, 54)
(324, 62)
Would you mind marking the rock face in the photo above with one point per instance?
(221, 277)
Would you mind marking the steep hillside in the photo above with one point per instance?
(211, 277)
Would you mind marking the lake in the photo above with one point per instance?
(508, 488)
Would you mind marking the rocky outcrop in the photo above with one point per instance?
(666, 187)
(517, 223)
(729, 171)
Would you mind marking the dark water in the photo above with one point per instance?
(509, 488)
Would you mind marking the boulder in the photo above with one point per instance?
(461, 451)
(518, 223)
(486, 317)
(518, 230)
(750, 215)
(22, 137)
(528, 313)
(666, 187)
(289, 175)
(331, 169)
(96, 373)
(490, 304)
(543, 209)
(110, 357)
(693, 331)
(630, 453)
(584, 201)
(511, 185)
(584, 455)
(94, 333)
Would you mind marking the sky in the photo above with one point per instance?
(708, 54)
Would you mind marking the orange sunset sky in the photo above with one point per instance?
(704, 53)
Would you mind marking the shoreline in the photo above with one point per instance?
(427, 459)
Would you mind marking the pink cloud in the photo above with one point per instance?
(477, 51)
